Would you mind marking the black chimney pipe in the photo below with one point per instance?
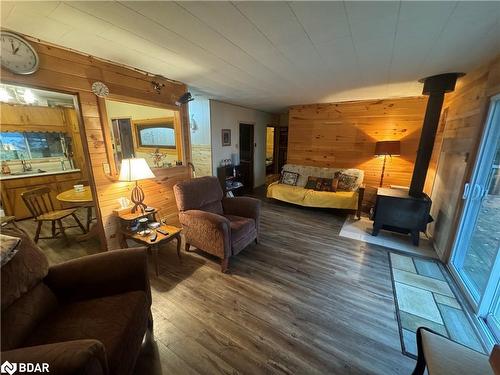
(434, 86)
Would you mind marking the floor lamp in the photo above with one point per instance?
(387, 148)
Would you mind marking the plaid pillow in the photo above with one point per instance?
(289, 178)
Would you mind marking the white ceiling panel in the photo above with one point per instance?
(270, 55)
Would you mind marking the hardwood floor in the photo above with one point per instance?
(58, 250)
(302, 301)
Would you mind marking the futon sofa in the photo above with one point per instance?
(213, 223)
(84, 316)
(298, 194)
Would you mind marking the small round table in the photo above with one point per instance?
(73, 196)
(85, 199)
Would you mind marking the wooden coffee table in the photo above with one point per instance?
(173, 233)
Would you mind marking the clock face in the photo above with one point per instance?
(18, 55)
(100, 89)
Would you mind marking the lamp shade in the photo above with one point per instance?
(135, 169)
(392, 148)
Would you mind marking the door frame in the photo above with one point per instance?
(481, 305)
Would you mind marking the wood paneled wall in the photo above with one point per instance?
(74, 73)
(344, 135)
(466, 110)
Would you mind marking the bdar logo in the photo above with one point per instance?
(8, 368)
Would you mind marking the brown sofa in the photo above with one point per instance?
(217, 225)
(85, 316)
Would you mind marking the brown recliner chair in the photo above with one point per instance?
(85, 316)
(217, 225)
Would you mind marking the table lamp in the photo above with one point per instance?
(136, 169)
(387, 148)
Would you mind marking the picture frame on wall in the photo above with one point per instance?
(226, 137)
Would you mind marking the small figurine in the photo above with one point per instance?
(157, 158)
(5, 168)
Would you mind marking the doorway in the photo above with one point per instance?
(47, 187)
(270, 150)
(476, 257)
(247, 145)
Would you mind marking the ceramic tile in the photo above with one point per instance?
(444, 300)
(418, 302)
(410, 341)
(459, 327)
(362, 229)
(428, 268)
(423, 282)
(412, 322)
(402, 262)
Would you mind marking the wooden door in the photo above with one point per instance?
(247, 155)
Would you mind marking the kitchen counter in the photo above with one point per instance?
(36, 174)
(13, 188)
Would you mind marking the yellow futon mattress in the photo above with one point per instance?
(311, 198)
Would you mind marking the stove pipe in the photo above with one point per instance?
(434, 86)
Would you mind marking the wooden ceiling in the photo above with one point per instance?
(269, 55)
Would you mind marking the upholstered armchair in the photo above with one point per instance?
(85, 316)
(215, 224)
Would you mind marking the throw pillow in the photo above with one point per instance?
(347, 182)
(329, 184)
(8, 248)
(289, 178)
(312, 182)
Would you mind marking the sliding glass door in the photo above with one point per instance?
(476, 255)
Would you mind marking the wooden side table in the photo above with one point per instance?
(173, 233)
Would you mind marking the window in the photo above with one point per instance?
(155, 135)
(31, 145)
(13, 146)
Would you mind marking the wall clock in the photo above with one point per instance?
(100, 89)
(18, 55)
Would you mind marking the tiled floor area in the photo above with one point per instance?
(424, 298)
(362, 230)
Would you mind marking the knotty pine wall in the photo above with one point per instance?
(466, 111)
(72, 72)
(344, 135)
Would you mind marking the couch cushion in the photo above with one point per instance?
(24, 315)
(286, 193)
(24, 270)
(324, 199)
(202, 193)
(118, 321)
(243, 231)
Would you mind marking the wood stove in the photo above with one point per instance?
(408, 211)
(397, 211)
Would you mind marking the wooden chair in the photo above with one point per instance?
(88, 206)
(40, 205)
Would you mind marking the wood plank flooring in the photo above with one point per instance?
(58, 250)
(302, 301)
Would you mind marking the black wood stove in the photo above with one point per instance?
(408, 211)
